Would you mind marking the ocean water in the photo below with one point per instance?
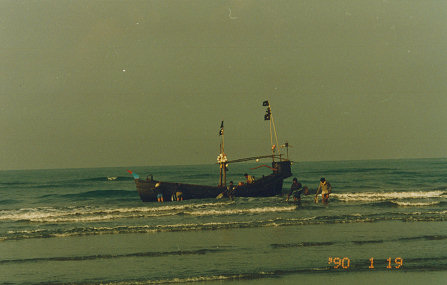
(386, 223)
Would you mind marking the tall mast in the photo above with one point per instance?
(269, 117)
(222, 158)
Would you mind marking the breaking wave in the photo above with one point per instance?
(388, 196)
(205, 226)
(88, 214)
(415, 204)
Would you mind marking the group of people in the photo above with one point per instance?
(296, 190)
(231, 188)
(176, 196)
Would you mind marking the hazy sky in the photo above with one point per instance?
(88, 83)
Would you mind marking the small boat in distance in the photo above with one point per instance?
(111, 178)
(267, 185)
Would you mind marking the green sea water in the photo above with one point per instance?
(385, 224)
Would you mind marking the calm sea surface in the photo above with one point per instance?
(386, 223)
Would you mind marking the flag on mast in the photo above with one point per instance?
(268, 112)
(221, 131)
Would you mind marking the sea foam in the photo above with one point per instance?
(381, 196)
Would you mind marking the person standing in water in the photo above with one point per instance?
(231, 190)
(325, 188)
(159, 193)
(296, 189)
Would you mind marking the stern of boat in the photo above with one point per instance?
(282, 168)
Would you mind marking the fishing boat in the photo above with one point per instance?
(267, 185)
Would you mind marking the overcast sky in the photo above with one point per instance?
(88, 83)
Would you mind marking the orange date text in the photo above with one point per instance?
(345, 263)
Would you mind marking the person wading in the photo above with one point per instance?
(325, 188)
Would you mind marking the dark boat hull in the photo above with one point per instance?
(270, 185)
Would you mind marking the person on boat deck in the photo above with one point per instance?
(231, 189)
(325, 188)
(296, 190)
(249, 179)
(159, 193)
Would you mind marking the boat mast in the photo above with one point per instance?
(269, 117)
(286, 145)
(222, 158)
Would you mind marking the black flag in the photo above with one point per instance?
(267, 115)
(221, 129)
(265, 103)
